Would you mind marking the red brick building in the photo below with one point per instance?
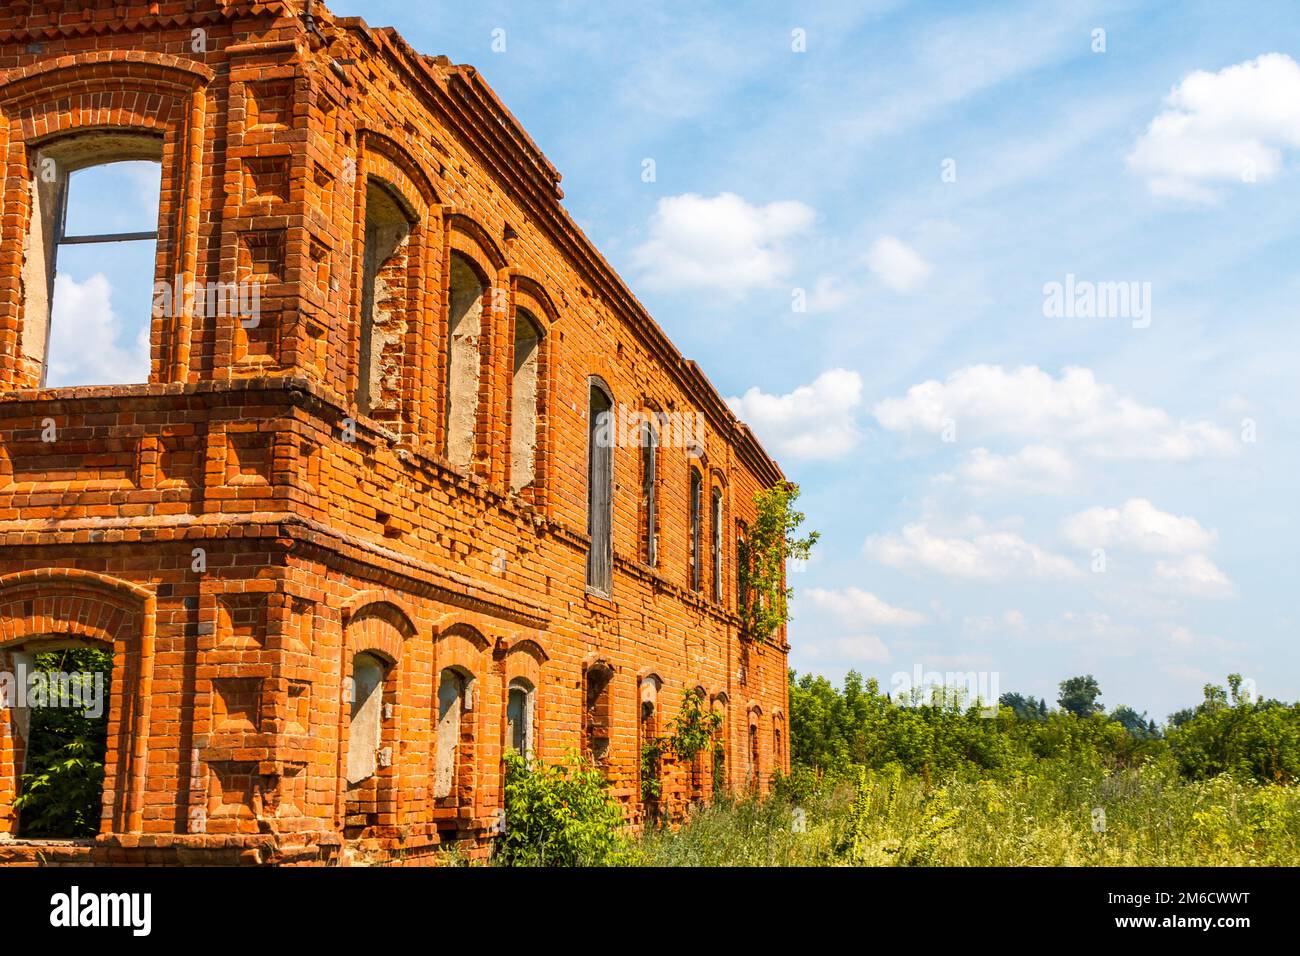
(349, 549)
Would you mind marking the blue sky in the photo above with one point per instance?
(917, 176)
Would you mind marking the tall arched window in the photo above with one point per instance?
(523, 401)
(95, 221)
(697, 494)
(649, 506)
(600, 489)
(383, 303)
(596, 717)
(742, 566)
(520, 706)
(453, 702)
(464, 327)
(365, 719)
(715, 529)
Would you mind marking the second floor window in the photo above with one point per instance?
(91, 295)
(715, 526)
(600, 489)
(649, 450)
(697, 491)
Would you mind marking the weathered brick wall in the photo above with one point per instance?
(239, 528)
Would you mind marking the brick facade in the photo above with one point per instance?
(284, 495)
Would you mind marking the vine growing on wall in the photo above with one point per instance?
(773, 541)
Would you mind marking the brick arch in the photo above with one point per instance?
(529, 292)
(386, 160)
(120, 91)
(61, 602)
(379, 625)
(467, 236)
(461, 645)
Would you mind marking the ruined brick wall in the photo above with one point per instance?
(288, 493)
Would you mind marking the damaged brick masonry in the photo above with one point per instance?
(346, 555)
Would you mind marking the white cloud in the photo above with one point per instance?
(85, 334)
(1140, 525)
(897, 264)
(723, 243)
(1039, 469)
(856, 606)
(1222, 127)
(990, 556)
(1009, 620)
(1194, 576)
(857, 647)
(984, 401)
(815, 421)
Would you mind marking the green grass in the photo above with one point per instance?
(1152, 818)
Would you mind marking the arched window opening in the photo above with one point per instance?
(715, 526)
(365, 722)
(649, 506)
(600, 490)
(651, 747)
(596, 716)
(453, 702)
(89, 268)
(753, 754)
(523, 401)
(697, 492)
(742, 566)
(720, 747)
(383, 304)
(58, 707)
(778, 743)
(520, 706)
(464, 327)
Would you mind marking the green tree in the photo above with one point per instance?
(1079, 696)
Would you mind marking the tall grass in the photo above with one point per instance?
(1152, 817)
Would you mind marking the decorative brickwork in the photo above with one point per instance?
(349, 539)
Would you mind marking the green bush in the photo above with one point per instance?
(558, 816)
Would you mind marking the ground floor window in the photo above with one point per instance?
(60, 706)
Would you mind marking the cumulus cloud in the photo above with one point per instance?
(815, 421)
(86, 335)
(856, 606)
(721, 243)
(1029, 404)
(1038, 469)
(897, 264)
(1194, 576)
(988, 556)
(1217, 128)
(1139, 525)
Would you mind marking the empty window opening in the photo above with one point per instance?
(600, 490)
(753, 754)
(649, 454)
(90, 259)
(519, 717)
(596, 715)
(464, 327)
(697, 490)
(715, 526)
(61, 738)
(651, 747)
(523, 402)
(453, 689)
(720, 747)
(365, 725)
(742, 566)
(383, 304)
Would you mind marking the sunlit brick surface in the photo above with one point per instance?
(238, 529)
